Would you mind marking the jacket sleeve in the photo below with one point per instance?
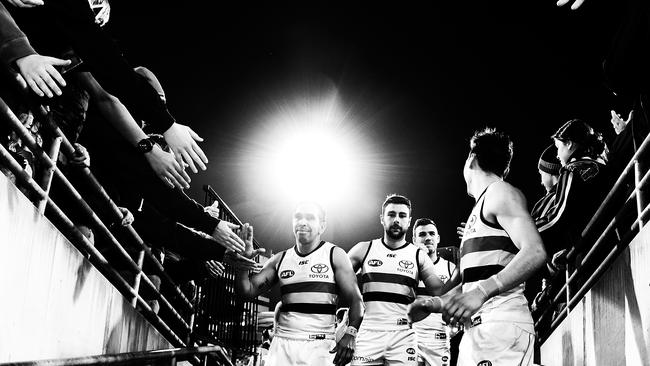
(13, 42)
(554, 223)
(105, 61)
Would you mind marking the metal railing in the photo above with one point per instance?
(585, 259)
(222, 316)
(177, 317)
(158, 357)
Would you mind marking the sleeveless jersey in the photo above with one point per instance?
(444, 269)
(389, 278)
(484, 251)
(309, 294)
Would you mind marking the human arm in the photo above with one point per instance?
(506, 206)
(253, 284)
(161, 162)
(347, 282)
(357, 254)
(428, 275)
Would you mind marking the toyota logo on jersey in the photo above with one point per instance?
(406, 264)
(319, 268)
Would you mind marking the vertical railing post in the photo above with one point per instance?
(46, 179)
(138, 277)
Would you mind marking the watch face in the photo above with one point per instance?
(145, 145)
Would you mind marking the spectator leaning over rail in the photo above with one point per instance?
(582, 184)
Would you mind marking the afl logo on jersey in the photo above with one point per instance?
(287, 274)
(484, 363)
(410, 351)
(406, 264)
(375, 263)
(320, 268)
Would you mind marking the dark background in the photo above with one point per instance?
(422, 78)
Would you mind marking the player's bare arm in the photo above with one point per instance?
(347, 282)
(506, 205)
(357, 253)
(251, 285)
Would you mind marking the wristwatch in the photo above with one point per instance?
(145, 145)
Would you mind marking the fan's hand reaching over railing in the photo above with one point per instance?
(167, 168)
(182, 140)
(39, 73)
(214, 268)
(25, 3)
(225, 236)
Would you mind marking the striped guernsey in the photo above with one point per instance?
(389, 278)
(309, 293)
(485, 250)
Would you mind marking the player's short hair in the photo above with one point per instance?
(321, 211)
(397, 199)
(493, 151)
(422, 222)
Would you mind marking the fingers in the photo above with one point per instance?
(195, 135)
(562, 2)
(629, 117)
(196, 158)
(171, 180)
(187, 159)
(21, 81)
(43, 87)
(183, 181)
(576, 4)
(200, 153)
(57, 61)
(54, 73)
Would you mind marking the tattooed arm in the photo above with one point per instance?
(252, 285)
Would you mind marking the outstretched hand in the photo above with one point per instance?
(167, 168)
(460, 230)
(224, 234)
(39, 74)
(618, 122)
(182, 140)
(422, 307)
(214, 268)
(25, 3)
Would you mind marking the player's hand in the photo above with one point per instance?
(422, 307)
(576, 4)
(460, 230)
(344, 350)
(224, 234)
(214, 268)
(618, 122)
(39, 73)
(167, 168)
(182, 140)
(26, 3)
(460, 307)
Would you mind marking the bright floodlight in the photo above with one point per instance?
(313, 152)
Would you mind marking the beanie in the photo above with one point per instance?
(549, 162)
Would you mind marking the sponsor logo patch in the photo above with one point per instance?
(375, 263)
(410, 351)
(317, 336)
(320, 268)
(402, 321)
(391, 255)
(445, 358)
(287, 273)
(484, 363)
(406, 264)
(303, 262)
(441, 336)
(476, 321)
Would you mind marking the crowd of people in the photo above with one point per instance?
(403, 302)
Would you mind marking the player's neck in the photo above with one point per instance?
(308, 247)
(433, 256)
(394, 243)
(480, 181)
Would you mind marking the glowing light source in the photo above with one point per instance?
(313, 151)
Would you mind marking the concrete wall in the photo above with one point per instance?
(611, 325)
(53, 302)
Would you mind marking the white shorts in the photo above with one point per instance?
(290, 352)
(394, 347)
(497, 343)
(433, 348)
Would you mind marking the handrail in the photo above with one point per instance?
(617, 247)
(132, 358)
(95, 256)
